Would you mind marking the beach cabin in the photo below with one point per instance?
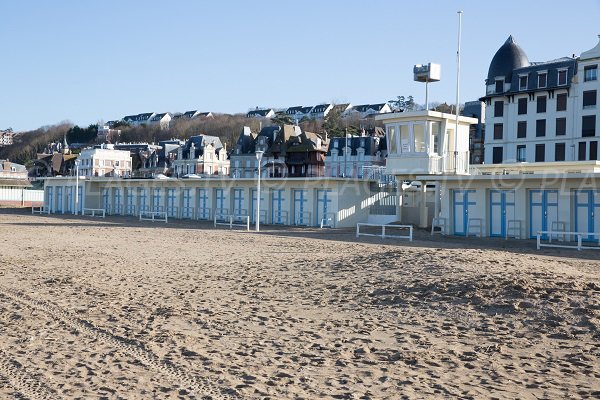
(331, 202)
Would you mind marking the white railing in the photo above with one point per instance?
(153, 216)
(328, 220)
(302, 218)
(187, 212)
(203, 213)
(456, 162)
(383, 233)
(173, 212)
(21, 195)
(232, 220)
(377, 173)
(94, 212)
(280, 218)
(577, 235)
(40, 210)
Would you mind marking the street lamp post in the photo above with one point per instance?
(259, 155)
(77, 186)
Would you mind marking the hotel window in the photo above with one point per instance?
(498, 131)
(588, 125)
(559, 152)
(540, 127)
(594, 150)
(522, 106)
(561, 102)
(561, 126)
(521, 129)
(562, 77)
(542, 79)
(498, 108)
(590, 73)
(589, 99)
(523, 82)
(540, 153)
(581, 152)
(541, 104)
(521, 153)
(499, 86)
(497, 155)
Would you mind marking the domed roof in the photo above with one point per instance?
(508, 57)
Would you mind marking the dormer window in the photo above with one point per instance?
(499, 86)
(562, 77)
(542, 79)
(523, 82)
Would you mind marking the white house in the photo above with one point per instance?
(320, 111)
(261, 113)
(201, 155)
(138, 119)
(105, 161)
(542, 111)
(162, 119)
(367, 110)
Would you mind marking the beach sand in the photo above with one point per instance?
(118, 309)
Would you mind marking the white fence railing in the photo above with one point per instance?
(94, 212)
(21, 195)
(383, 233)
(154, 216)
(578, 236)
(328, 220)
(232, 220)
(39, 210)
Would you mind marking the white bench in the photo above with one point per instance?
(383, 234)
(232, 220)
(39, 210)
(94, 212)
(577, 235)
(153, 216)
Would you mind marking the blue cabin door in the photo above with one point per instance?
(300, 214)
(587, 213)
(502, 209)
(254, 204)
(543, 210)
(463, 206)
(323, 206)
(277, 216)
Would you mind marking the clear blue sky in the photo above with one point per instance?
(86, 61)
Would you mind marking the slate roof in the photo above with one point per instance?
(15, 182)
(320, 108)
(371, 145)
(294, 110)
(199, 141)
(509, 57)
(261, 113)
(158, 117)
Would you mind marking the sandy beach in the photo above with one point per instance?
(118, 309)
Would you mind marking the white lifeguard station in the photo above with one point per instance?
(423, 143)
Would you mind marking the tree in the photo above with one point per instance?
(281, 118)
(402, 104)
